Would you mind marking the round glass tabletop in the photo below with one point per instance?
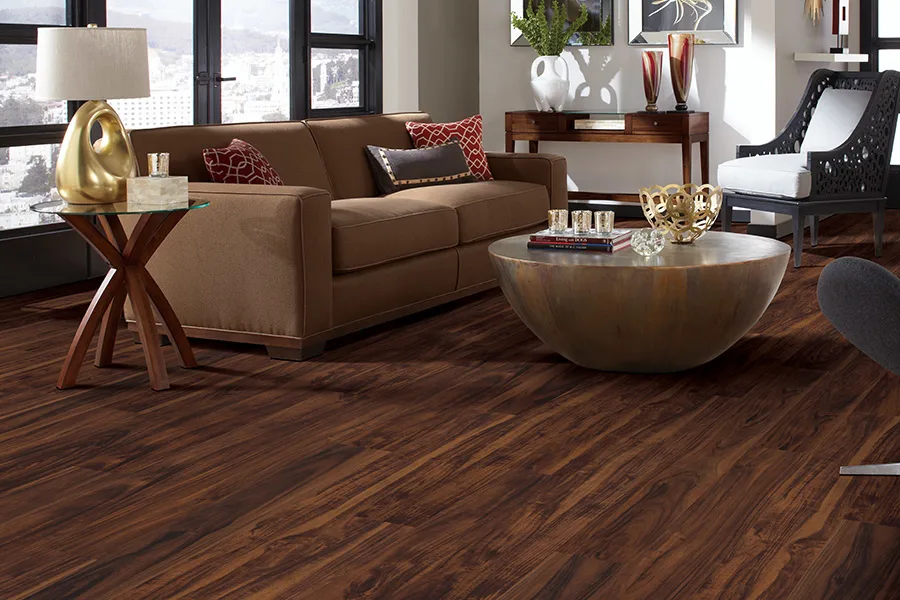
(58, 207)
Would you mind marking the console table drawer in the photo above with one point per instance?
(533, 122)
(661, 123)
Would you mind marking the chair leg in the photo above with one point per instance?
(814, 231)
(798, 240)
(727, 216)
(879, 231)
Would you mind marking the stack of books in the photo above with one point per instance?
(601, 122)
(613, 241)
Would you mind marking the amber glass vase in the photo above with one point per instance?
(681, 62)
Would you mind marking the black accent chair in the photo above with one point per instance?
(862, 301)
(852, 178)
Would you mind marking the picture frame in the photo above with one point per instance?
(714, 22)
(601, 16)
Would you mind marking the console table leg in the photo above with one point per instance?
(533, 146)
(687, 161)
(704, 161)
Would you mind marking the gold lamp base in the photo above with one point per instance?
(95, 173)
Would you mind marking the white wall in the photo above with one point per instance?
(401, 55)
(739, 86)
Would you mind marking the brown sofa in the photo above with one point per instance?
(293, 266)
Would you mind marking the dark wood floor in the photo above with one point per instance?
(452, 456)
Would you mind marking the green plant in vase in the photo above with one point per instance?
(549, 37)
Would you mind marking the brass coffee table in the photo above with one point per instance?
(623, 312)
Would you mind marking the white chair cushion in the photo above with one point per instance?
(836, 116)
(783, 175)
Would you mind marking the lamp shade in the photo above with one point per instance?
(92, 63)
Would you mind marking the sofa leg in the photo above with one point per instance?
(798, 241)
(296, 354)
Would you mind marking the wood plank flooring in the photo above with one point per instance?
(451, 455)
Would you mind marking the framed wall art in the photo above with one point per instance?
(713, 21)
(597, 32)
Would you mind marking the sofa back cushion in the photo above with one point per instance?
(289, 148)
(342, 144)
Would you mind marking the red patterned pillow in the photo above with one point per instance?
(470, 134)
(239, 162)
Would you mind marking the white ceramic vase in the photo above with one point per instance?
(550, 89)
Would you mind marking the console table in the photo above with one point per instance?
(684, 129)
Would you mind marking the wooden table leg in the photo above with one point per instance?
(127, 278)
(687, 161)
(704, 161)
(510, 143)
(533, 146)
(146, 324)
(109, 289)
(170, 321)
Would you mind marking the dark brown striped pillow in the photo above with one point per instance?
(396, 170)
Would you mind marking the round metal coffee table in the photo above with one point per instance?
(623, 312)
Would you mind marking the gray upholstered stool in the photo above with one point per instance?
(862, 301)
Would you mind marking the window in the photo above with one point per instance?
(211, 61)
(344, 74)
(880, 33)
(30, 130)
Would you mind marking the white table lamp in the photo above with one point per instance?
(93, 64)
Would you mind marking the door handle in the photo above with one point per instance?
(220, 79)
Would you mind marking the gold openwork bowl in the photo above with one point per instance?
(683, 212)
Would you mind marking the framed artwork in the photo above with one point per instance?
(713, 21)
(597, 32)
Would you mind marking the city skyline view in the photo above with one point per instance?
(255, 50)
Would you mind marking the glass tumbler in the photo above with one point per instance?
(558, 221)
(581, 221)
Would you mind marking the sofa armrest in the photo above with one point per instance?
(545, 169)
(256, 261)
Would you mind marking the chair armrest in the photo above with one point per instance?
(548, 170)
(257, 260)
(860, 167)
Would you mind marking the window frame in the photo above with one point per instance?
(368, 43)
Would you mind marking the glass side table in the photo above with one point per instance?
(127, 276)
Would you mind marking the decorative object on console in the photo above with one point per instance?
(597, 29)
(468, 132)
(841, 26)
(89, 172)
(652, 61)
(814, 9)
(550, 89)
(648, 242)
(683, 212)
(396, 170)
(549, 38)
(240, 162)
(712, 21)
(681, 63)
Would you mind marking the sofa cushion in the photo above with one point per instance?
(373, 231)
(396, 170)
(240, 163)
(783, 175)
(487, 208)
(342, 143)
(837, 114)
(289, 148)
(469, 132)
